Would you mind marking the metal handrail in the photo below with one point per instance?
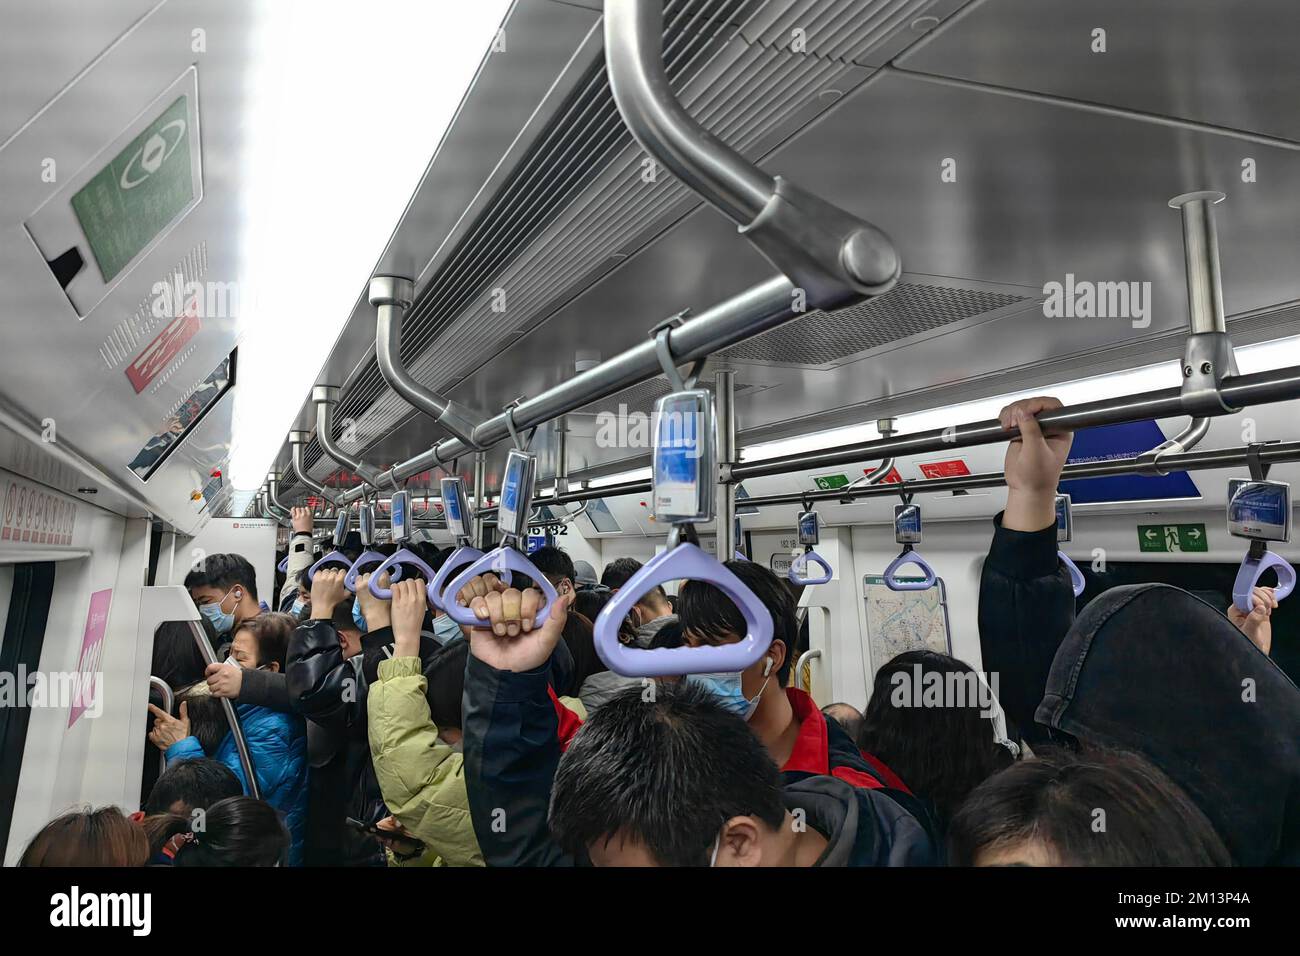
(232, 718)
(804, 658)
(169, 699)
(297, 442)
(326, 397)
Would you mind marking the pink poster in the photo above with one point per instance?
(86, 682)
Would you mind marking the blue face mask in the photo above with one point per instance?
(298, 608)
(222, 622)
(357, 617)
(445, 630)
(727, 690)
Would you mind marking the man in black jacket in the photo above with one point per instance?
(631, 769)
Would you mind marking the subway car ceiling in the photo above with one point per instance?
(1017, 152)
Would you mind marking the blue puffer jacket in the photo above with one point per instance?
(277, 742)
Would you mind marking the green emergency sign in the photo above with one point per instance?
(132, 199)
(830, 482)
(1172, 538)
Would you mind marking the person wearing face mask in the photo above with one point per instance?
(414, 718)
(667, 778)
(796, 734)
(224, 588)
(300, 555)
(277, 740)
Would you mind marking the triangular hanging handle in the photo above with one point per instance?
(686, 561)
(359, 565)
(456, 559)
(909, 557)
(798, 573)
(1077, 581)
(403, 556)
(1252, 569)
(334, 557)
(502, 559)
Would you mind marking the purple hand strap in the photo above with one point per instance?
(1252, 570)
(402, 556)
(798, 573)
(503, 559)
(455, 560)
(359, 565)
(740, 556)
(283, 566)
(684, 561)
(909, 557)
(1077, 580)
(334, 557)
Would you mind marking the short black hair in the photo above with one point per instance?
(553, 561)
(237, 831)
(618, 571)
(712, 616)
(195, 783)
(446, 685)
(1054, 798)
(342, 618)
(223, 571)
(177, 659)
(667, 774)
(304, 582)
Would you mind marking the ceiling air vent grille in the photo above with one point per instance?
(822, 338)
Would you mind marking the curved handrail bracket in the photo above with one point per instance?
(1077, 581)
(334, 557)
(457, 559)
(798, 573)
(1252, 569)
(909, 557)
(359, 565)
(401, 556)
(684, 561)
(501, 561)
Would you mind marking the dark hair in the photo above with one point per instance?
(670, 635)
(342, 618)
(554, 562)
(237, 831)
(272, 631)
(847, 716)
(618, 571)
(1055, 797)
(304, 583)
(197, 782)
(713, 617)
(579, 635)
(941, 752)
(160, 828)
(223, 571)
(667, 774)
(446, 687)
(176, 656)
(103, 837)
(589, 601)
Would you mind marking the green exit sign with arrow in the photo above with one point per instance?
(1172, 538)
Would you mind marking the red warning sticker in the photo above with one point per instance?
(955, 468)
(891, 478)
(163, 349)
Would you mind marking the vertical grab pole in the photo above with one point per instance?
(232, 718)
(725, 502)
(480, 491)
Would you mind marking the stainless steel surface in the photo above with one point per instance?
(634, 31)
(1201, 459)
(480, 490)
(1187, 439)
(297, 440)
(326, 397)
(753, 310)
(725, 493)
(811, 654)
(1241, 392)
(391, 296)
(232, 718)
(165, 692)
(1201, 251)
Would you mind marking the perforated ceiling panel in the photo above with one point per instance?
(823, 338)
